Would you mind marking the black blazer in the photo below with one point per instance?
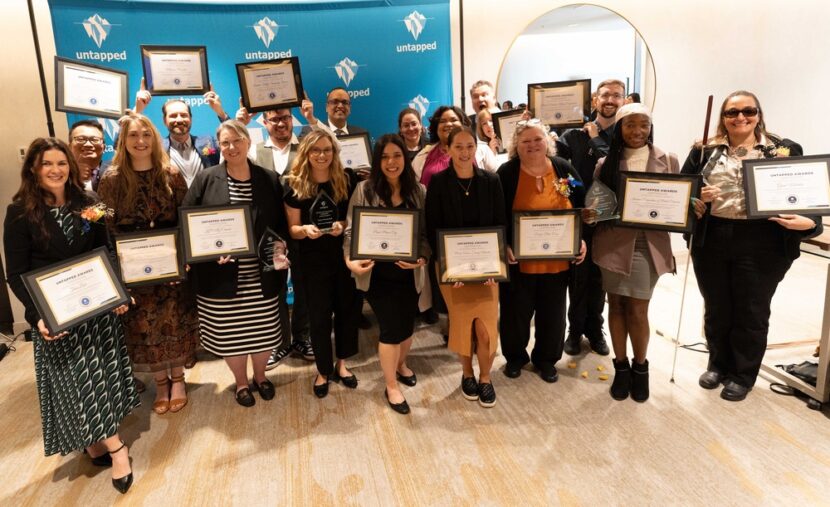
(508, 173)
(443, 204)
(210, 188)
(792, 239)
(25, 253)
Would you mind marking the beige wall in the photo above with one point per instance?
(700, 47)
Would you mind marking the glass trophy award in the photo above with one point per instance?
(323, 212)
(603, 200)
(272, 251)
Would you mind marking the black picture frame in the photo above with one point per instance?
(584, 86)
(653, 222)
(573, 253)
(152, 84)
(62, 85)
(357, 214)
(33, 279)
(367, 143)
(193, 257)
(181, 273)
(500, 120)
(750, 168)
(245, 85)
(443, 234)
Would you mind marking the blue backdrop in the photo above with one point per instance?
(388, 54)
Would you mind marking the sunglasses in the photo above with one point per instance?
(748, 112)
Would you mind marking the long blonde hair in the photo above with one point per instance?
(122, 164)
(300, 180)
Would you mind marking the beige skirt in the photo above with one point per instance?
(465, 304)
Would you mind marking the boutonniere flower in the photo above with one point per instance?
(208, 150)
(94, 213)
(566, 185)
(773, 151)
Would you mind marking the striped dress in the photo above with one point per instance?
(248, 323)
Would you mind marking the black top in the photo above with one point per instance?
(210, 188)
(792, 239)
(509, 175)
(445, 203)
(25, 253)
(583, 152)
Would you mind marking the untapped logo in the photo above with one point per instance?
(97, 28)
(420, 104)
(415, 23)
(346, 70)
(111, 128)
(266, 30)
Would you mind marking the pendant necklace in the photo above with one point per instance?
(467, 189)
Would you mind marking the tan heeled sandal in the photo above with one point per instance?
(162, 406)
(178, 403)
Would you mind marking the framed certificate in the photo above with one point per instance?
(210, 232)
(271, 84)
(384, 234)
(562, 104)
(175, 70)
(149, 257)
(70, 292)
(549, 234)
(355, 151)
(89, 89)
(792, 185)
(504, 123)
(472, 255)
(657, 200)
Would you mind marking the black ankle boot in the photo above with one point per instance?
(639, 381)
(622, 379)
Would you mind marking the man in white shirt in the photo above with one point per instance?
(278, 151)
(338, 109)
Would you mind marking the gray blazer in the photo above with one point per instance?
(265, 158)
(359, 199)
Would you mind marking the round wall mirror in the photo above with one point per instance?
(577, 42)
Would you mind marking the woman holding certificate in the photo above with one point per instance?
(144, 192)
(631, 260)
(464, 197)
(391, 287)
(532, 180)
(317, 193)
(739, 261)
(84, 376)
(238, 298)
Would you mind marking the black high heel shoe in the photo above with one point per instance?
(122, 484)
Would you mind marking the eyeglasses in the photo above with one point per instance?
(93, 140)
(529, 123)
(339, 102)
(748, 112)
(316, 152)
(236, 142)
(279, 119)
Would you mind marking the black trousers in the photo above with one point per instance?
(738, 269)
(299, 314)
(330, 294)
(586, 299)
(519, 299)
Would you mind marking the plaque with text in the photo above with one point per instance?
(472, 255)
(175, 70)
(561, 104)
(93, 90)
(788, 185)
(211, 232)
(660, 201)
(384, 234)
(149, 257)
(549, 234)
(323, 212)
(271, 84)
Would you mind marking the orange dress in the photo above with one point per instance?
(528, 197)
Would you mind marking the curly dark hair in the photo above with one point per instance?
(436, 117)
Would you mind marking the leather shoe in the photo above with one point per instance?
(266, 389)
(549, 374)
(401, 408)
(732, 391)
(245, 398)
(410, 381)
(350, 381)
(599, 345)
(573, 344)
(512, 370)
(710, 379)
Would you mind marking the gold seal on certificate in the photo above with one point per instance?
(89, 89)
(384, 234)
(270, 84)
(660, 201)
(355, 151)
(472, 255)
(175, 70)
(793, 185)
(149, 258)
(561, 104)
(72, 291)
(210, 232)
(549, 234)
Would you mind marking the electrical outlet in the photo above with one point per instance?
(21, 153)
